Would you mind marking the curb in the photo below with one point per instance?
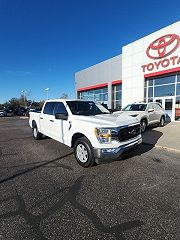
(162, 147)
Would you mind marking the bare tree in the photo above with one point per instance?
(64, 95)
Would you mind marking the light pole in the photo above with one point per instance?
(47, 93)
(24, 95)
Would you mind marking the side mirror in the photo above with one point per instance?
(61, 116)
(150, 110)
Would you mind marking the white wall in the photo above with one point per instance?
(134, 56)
(104, 72)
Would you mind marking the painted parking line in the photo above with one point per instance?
(23, 117)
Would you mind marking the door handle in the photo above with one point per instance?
(41, 117)
(51, 120)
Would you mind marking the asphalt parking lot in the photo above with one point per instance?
(45, 194)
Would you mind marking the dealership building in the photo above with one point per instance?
(147, 70)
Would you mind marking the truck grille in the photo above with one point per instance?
(129, 132)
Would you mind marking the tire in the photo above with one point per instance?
(83, 152)
(143, 125)
(162, 121)
(36, 134)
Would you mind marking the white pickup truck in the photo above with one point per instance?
(87, 127)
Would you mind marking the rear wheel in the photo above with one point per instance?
(83, 152)
(162, 121)
(36, 134)
(143, 125)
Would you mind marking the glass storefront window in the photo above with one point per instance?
(145, 90)
(150, 92)
(177, 109)
(166, 90)
(178, 78)
(99, 95)
(162, 87)
(105, 90)
(117, 105)
(164, 80)
(150, 82)
(97, 91)
(178, 89)
(118, 87)
(116, 96)
(97, 98)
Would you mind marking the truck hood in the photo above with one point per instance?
(108, 120)
(130, 113)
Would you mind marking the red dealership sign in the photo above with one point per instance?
(163, 46)
(159, 50)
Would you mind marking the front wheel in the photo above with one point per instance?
(143, 125)
(162, 121)
(83, 152)
(36, 134)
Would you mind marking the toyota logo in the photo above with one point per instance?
(163, 46)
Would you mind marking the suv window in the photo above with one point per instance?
(150, 106)
(156, 106)
(60, 108)
(49, 108)
(135, 107)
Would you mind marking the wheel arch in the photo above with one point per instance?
(144, 119)
(164, 116)
(34, 124)
(77, 136)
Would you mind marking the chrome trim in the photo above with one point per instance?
(101, 153)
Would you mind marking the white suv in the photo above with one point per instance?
(147, 113)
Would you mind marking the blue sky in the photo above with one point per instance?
(44, 42)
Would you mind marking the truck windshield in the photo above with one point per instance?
(86, 108)
(135, 107)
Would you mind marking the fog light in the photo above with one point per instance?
(109, 150)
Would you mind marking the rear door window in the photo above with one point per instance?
(49, 108)
(157, 107)
(150, 106)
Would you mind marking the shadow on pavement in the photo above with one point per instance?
(149, 140)
(64, 196)
(151, 137)
(35, 166)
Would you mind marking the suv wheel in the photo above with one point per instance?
(143, 125)
(162, 121)
(83, 152)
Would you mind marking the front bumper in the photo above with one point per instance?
(115, 153)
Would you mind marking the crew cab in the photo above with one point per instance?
(88, 127)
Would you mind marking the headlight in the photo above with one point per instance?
(103, 135)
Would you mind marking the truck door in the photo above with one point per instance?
(47, 119)
(61, 127)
